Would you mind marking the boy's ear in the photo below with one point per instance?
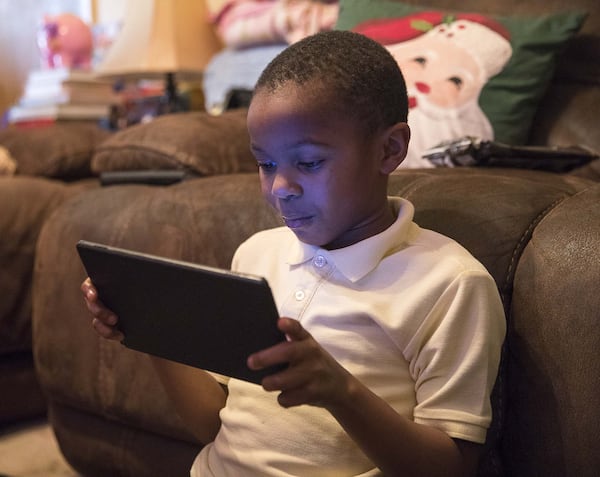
(395, 147)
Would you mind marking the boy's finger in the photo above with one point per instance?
(267, 357)
(87, 288)
(292, 329)
(100, 312)
(106, 331)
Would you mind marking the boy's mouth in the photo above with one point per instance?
(295, 222)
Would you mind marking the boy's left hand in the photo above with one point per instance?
(312, 377)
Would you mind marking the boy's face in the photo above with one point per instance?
(318, 168)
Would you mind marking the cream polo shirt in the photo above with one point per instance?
(408, 311)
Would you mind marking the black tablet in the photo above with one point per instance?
(201, 316)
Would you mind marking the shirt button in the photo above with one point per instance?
(320, 261)
(299, 295)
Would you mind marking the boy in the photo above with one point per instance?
(394, 332)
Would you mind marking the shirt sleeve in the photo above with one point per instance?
(454, 357)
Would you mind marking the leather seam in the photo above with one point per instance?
(524, 240)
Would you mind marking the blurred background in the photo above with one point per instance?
(19, 23)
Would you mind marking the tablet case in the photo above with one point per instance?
(205, 317)
(473, 151)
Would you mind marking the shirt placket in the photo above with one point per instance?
(310, 276)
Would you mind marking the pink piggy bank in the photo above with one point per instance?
(65, 41)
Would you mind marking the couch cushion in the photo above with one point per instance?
(27, 203)
(489, 66)
(553, 364)
(60, 150)
(196, 141)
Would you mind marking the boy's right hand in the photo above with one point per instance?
(105, 321)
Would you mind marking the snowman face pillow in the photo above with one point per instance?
(446, 61)
(466, 73)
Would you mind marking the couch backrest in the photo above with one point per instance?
(539, 237)
(553, 366)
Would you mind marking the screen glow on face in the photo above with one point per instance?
(316, 167)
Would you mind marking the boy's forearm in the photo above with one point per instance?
(397, 445)
(196, 396)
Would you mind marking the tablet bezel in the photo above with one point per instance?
(165, 308)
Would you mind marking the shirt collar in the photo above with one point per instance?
(357, 260)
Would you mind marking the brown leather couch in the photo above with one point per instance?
(537, 233)
(51, 163)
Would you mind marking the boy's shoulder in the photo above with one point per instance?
(440, 250)
(270, 236)
(271, 244)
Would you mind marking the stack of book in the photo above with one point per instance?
(59, 94)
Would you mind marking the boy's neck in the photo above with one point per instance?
(378, 224)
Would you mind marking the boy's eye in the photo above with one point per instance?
(267, 166)
(310, 165)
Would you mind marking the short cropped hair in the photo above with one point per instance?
(360, 73)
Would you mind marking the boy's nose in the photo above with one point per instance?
(285, 187)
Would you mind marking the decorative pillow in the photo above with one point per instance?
(244, 23)
(61, 150)
(196, 141)
(466, 73)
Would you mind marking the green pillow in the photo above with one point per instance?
(511, 58)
